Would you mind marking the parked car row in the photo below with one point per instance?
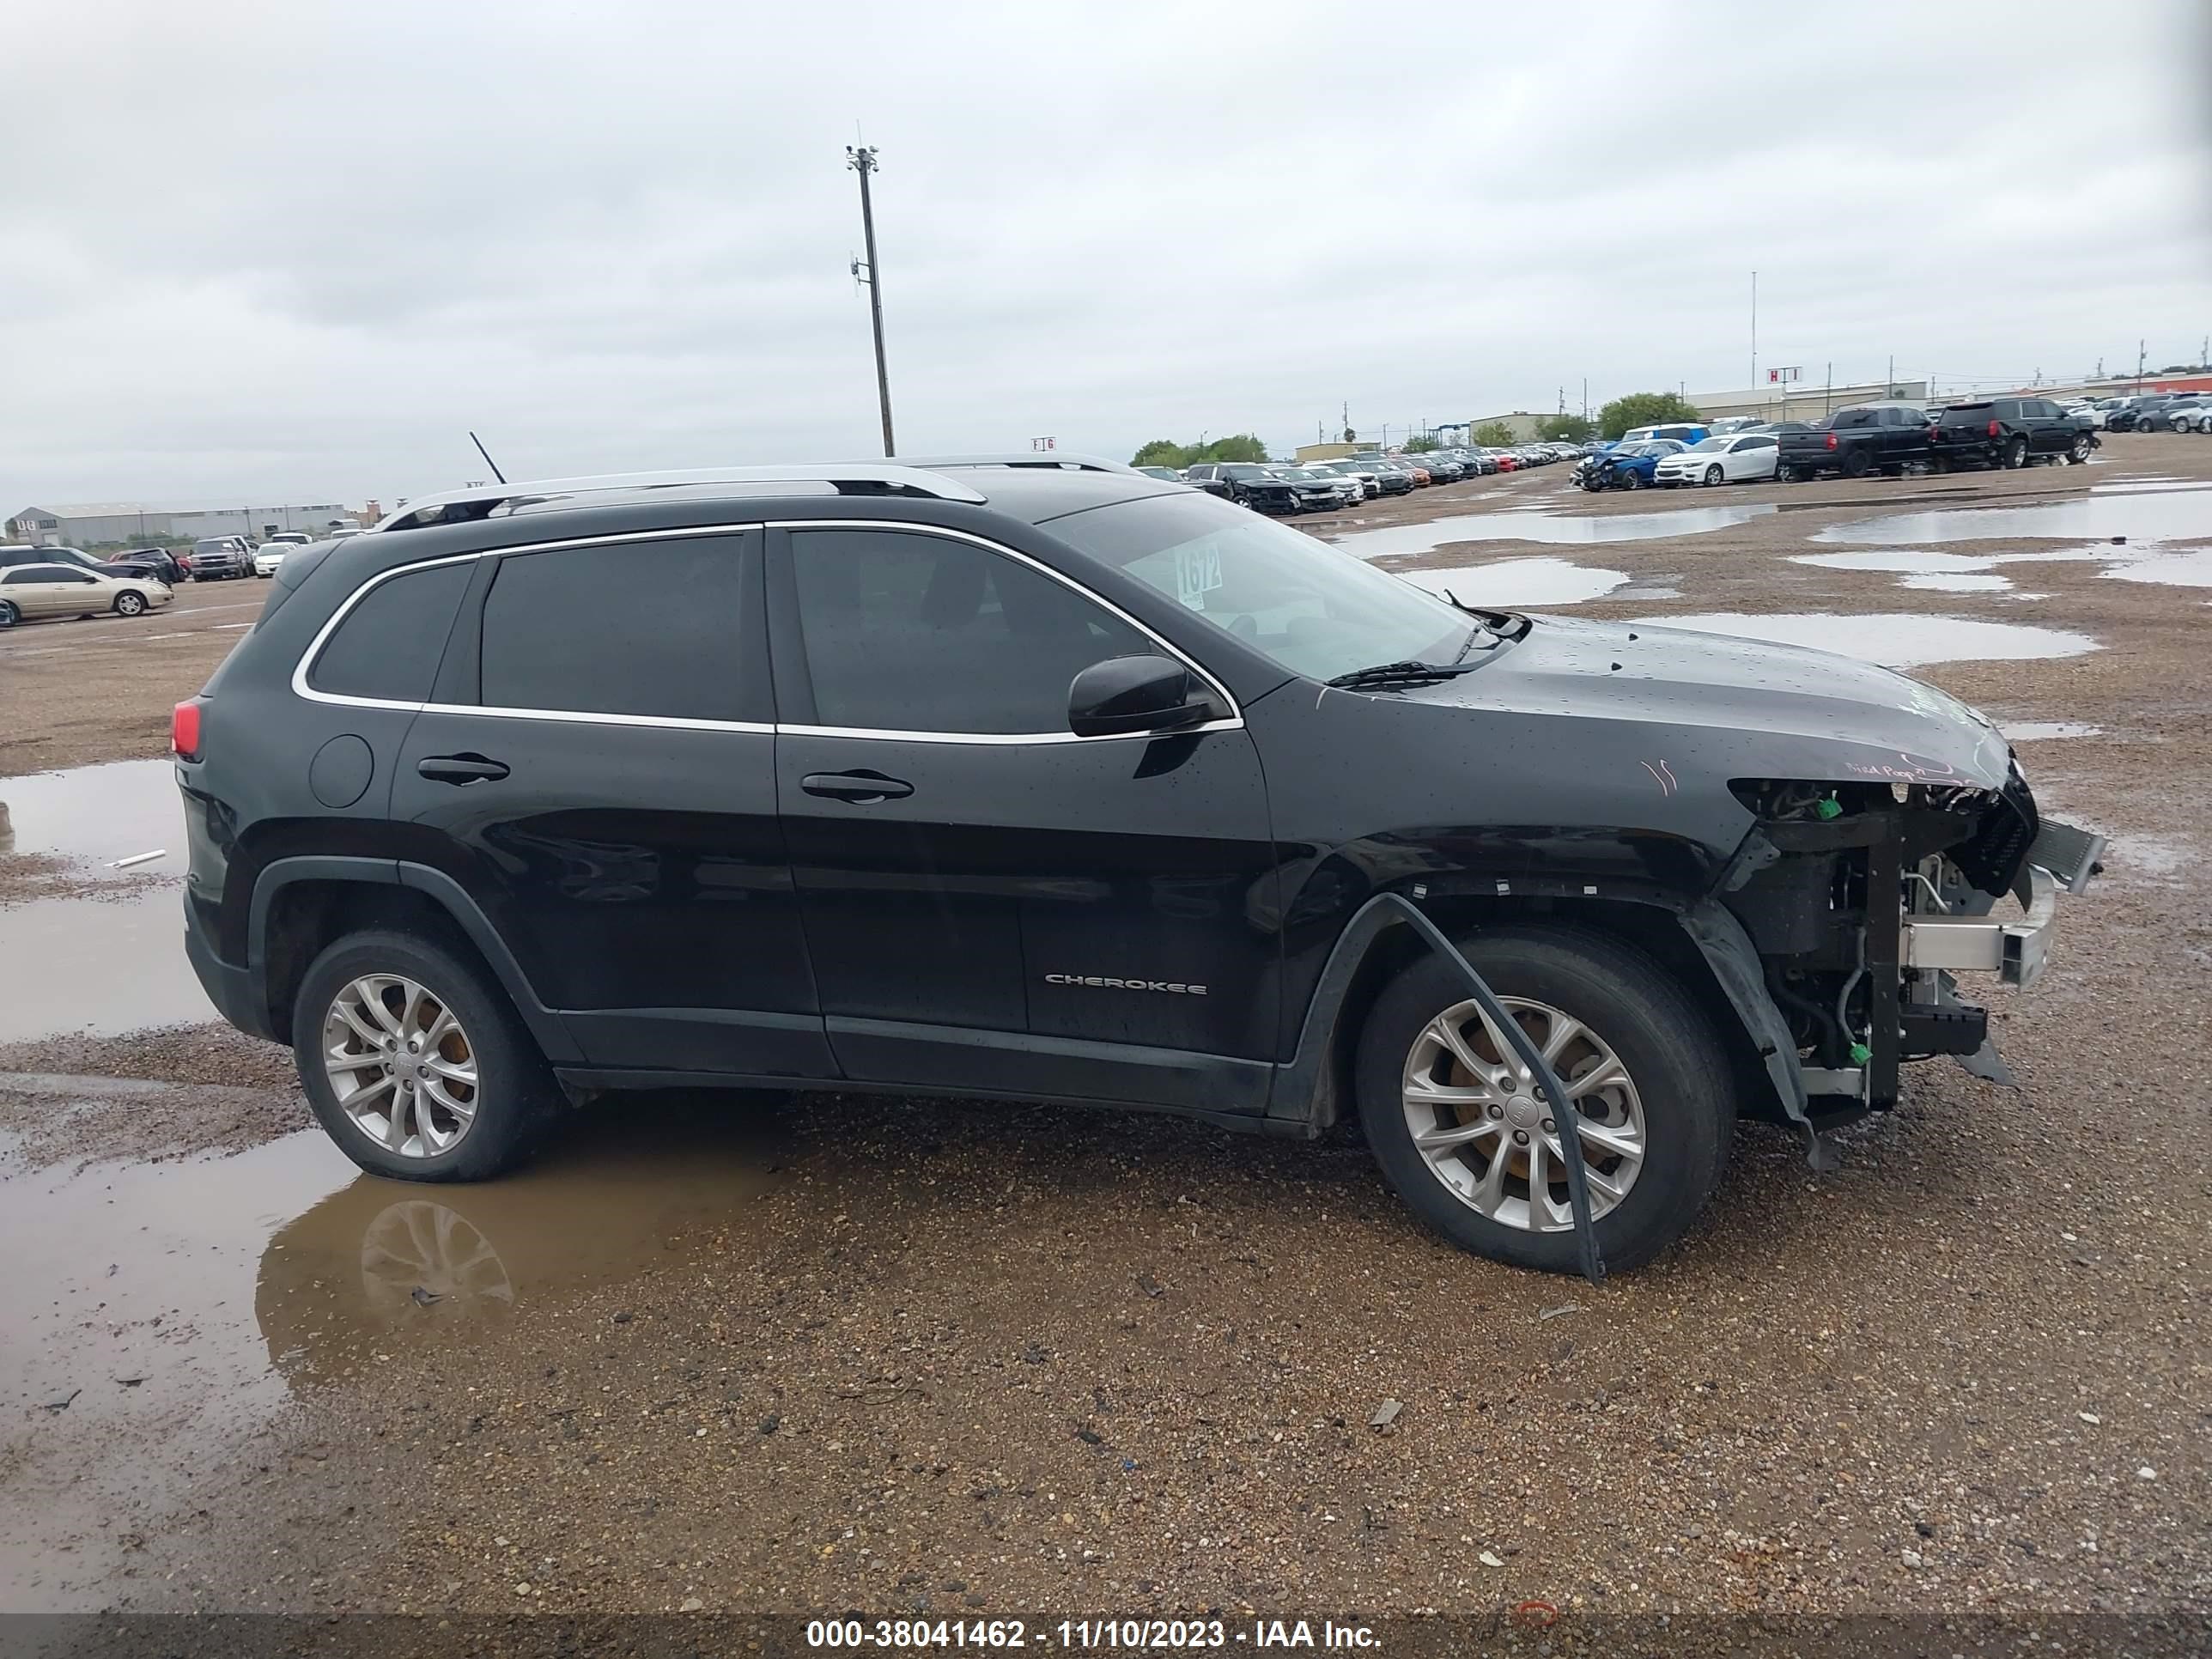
(2156, 411)
(36, 586)
(1288, 488)
(1886, 438)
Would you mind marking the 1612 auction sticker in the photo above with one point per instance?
(1198, 573)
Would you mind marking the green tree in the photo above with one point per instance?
(1236, 447)
(1420, 445)
(1166, 452)
(1644, 409)
(1494, 435)
(1563, 428)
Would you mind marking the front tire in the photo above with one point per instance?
(129, 604)
(1712, 476)
(415, 1061)
(1463, 1144)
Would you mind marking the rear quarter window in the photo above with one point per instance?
(387, 645)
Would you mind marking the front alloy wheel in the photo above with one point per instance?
(1484, 1129)
(1712, 475)
(400, 1064)
(129, 604)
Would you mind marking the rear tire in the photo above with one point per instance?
(1682, 1083)
(510, 1101)
(2015, 454)
(1857, 464)
(8, 614)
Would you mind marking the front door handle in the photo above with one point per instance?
(460, 769)
(857, 786)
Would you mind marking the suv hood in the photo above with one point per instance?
(1744, 708)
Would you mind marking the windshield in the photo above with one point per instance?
(70, 556)
(1711, 443)
(1298, 602)
(1243, 473)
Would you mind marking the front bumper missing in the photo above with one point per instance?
(2015, 949)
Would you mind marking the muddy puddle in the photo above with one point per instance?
(1543, 527)
(1895, 640)
(108, 956)
(1961, 573)
(2161, 514)
(1513, 583)
(99, 814)
(2189, 568)
(159, 1314)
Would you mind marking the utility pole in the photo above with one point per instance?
(1754, 331)
(862, 161)
(1889, 385)
(2139, 367)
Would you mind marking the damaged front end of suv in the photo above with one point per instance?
(1864, 898)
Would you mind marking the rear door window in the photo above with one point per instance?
(387, 646)
(646, 630)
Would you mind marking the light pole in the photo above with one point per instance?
(862, 161)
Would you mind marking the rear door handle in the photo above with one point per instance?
(460, 769)
(857, 786)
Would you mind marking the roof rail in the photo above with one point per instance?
(1043, 459)
(855, 478)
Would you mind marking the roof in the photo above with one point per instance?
(1031, 486)
(95, 510)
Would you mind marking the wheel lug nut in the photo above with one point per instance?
(1550, 1127)
(1497, 1111)
(1520, 1137)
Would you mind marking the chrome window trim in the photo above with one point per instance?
(314, 648)
(300, 687)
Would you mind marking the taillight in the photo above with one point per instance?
(1993, 428)
(185, 730)
(1832, 440)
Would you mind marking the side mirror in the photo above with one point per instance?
(1135, 694)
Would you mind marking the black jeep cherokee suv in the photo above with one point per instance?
(1058, 781)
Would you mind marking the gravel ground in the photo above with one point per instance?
(968, 1358)
(143, 665)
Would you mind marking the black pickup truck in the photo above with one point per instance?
(2010, 431)
(1865, 438)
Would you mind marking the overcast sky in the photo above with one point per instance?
(294, 252)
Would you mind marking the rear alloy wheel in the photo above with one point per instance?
(1712, 475)
(1465, 1137)
(8, 614)
(129, 604)
(2015, 454)
(416, 1062)
(2077, 453)
(1858, 464)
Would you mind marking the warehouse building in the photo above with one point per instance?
(1804, 402)
(99, 523)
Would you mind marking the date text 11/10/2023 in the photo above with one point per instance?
(1084, 1635)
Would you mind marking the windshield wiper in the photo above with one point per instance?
(1403, 673)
